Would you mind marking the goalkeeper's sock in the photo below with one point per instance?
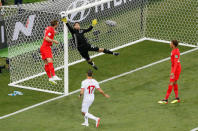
(92, 64)
(170, 87)
(47, 70)
(91, 116)
(51, 68)
(107, 51)
(176, 90)
(116, 53)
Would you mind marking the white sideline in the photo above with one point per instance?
(112, 78)
(195, 129)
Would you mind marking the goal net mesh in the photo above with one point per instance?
(172, 19)
(120, 22)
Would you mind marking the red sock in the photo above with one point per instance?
(176, 90)
(51, 68)
(170, 87)
(48, 71)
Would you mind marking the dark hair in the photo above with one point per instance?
(54, 22)
(76, 23)
(90, 73)
(175, 43)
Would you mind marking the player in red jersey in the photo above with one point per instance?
(175, 72)
(46, 51)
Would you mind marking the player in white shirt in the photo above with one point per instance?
(88, 87)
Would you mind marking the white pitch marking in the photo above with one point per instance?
(195, 129)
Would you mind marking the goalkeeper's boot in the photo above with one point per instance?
(85, 124)
(116, 53)
(51, 80)
(97, 122)
(56, 78)
(177, 100)
(163, 101)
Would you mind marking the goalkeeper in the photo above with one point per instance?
(82, 44)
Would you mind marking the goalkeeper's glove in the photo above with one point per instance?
(64, 19)
(94, 22)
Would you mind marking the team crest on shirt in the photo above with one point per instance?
(49, 34)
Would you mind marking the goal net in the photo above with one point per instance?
(120, 23)
(172, 19)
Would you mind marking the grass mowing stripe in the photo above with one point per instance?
(4, 52)
(33, 106)
(112, 78)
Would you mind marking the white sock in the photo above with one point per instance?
(86, 119)
(91, 116)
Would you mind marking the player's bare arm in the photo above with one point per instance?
(81, 92)
(102, 92)
(51, 40)
(56, 32)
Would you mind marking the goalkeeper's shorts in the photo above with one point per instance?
(46, 52)
(84, 51)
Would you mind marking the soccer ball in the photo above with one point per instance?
(63, 14)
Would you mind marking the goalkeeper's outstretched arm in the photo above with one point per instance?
(70, 28)
(87, 30)
(64, 19)
(94, 22)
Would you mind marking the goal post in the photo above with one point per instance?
(66, 70)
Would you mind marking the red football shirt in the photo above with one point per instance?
(175, 56)
(50, 32)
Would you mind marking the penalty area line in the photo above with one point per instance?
(103, 81)
(195, 129)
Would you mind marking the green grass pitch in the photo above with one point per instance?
(133, 103)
